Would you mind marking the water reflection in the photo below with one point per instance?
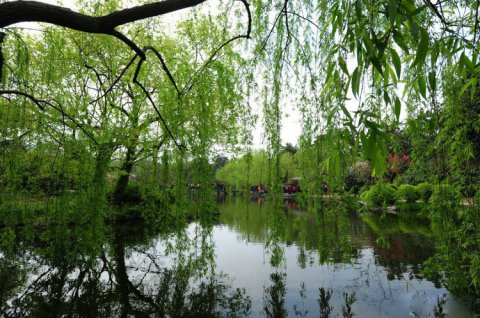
(128, 278)
(274, 296)
(268, 260)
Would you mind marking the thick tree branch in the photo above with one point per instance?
(34, 11)
(2, 37)
(130, 43)
(30, 97)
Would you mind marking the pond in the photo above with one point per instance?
(257, 260)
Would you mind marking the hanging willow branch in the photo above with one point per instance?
(247, 36)
(135, 80)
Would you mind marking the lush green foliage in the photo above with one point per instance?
(408, 193)
(425, 190)
(458, 248)
(445, 198)
(379, 195)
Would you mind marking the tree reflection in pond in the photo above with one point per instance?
(274, 296)
(117, 282)
(257, 261)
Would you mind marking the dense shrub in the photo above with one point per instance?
(408, 193)
(425, 190)
(379, 195)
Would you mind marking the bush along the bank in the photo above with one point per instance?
(408, 192)
(425, 190)
(379, 195)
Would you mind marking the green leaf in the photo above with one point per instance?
(469, 83)
(399, 39)
(398, 108)
(391, 73)
(422, 48)
(356, 81)
(343, 65)
(376, 62)
(472, 92)
(392, 11)
(346, 112)
(396, 62)
(467, 62)
(422, 86)
(358, 10)
(386, 98)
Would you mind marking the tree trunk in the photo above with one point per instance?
(122, 183)
(98, 192)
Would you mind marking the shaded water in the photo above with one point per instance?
(256, 261)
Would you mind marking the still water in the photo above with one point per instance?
(255, 260)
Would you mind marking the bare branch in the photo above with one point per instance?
(2, 37)
(135, 80)
(130, 43)
(30, 97)
(164, 67)
(39, 103)
(117, 79)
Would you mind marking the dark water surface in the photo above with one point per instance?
(256, 260)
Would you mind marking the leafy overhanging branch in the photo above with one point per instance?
(33, 11)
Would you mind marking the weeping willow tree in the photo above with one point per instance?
(89, 113)
(357, 67)
(348, 58)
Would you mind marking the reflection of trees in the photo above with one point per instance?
(11, 275)
(399, 244)
(274, 296)
(125, 278)
(322, 229)
(334, 226)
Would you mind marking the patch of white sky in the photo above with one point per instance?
(291, 118)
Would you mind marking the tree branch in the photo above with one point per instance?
(39, 103)
(2, 37)
(30, 97)
(164, 67)
(135, 80)
(34, 11)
